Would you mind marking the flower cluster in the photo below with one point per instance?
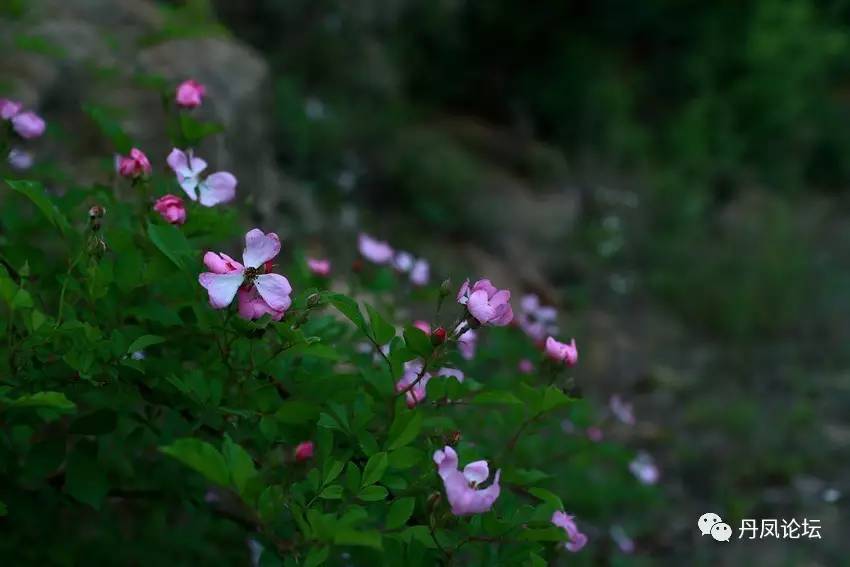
(25, 123)
(381, 253)
(536, 320)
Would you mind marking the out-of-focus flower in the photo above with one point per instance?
(134, 165)
(9, 108)
(644, 468)
(562, 352)
(438, 337)
(28, 125)
(376, 251)
(319, 266)
(304, 451)
(525, 366)
(536, 320)
(577, 539)
(260, 292)
(486, 303)
(447, 372)
(594, 434)
(466, 344)
(623, 541)
(217, 188)
(314, 108)
(621, 410)
(189, 94)
(171, 208)
(256, 549)
(20, 159)
(462, 490)
(403, 261)
(423, 326)
(414, 391)
(420, 272)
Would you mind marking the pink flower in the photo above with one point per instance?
(644, 468)
(423, 326)
(9, 108)
(595, 434)
(304, 451)
(486, 303)
(623, 541)
(217, 188)
(417, 393)
(376, 251)
(466, 344)
(525, 366)
(319, 267)
(190, 94)
(577, 539)
(260, 292)
(171, 208)
(537, 321)
(562, 352)
(134, 165)
(447, 372)
(622, 410)
(403, 261)
(20, 159)
(420, 272)
(462, 490)
(28, 125)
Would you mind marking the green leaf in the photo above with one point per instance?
(554, 398)
(406, 426)
(239, 463)
(382, 331)
(85, 479)
(110, 128)
(332, 492)
(202, 457)
(547, 496)
(350, 309)
(35, 192)
(195, 130)
(144, 342)
(496, 397)
(317, 556)
(375, 469)
(400, 511)
(51, 400)
(296, 412)
(333, 468)
(171, 242)
(417, 341)
(405, 458)
(98, 422)
(372, 493)
(371, 538)
(352, 477)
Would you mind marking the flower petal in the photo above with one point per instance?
(252, 306)
(275, 290)
(220, 187)
(476, 472)
(221, 287)
(260, 248)
(480, 307)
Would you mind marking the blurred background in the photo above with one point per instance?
(672, 174)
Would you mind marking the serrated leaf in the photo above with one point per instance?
(406, 426)
(376, 466)
(202, 457)
(399, 512)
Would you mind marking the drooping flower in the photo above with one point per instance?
(376, 251)
(462, 490)
(423, 326)
(621, 410)
(466, 344)
(577, 539)
(536, 320)
(562, 352)
(486, 303)
(189, 94)
(260, 292)
(28, 125)
(217, 188)
(20, 159)
(171, 208)
(304, 451)
(319, 267)
(134, 165)
(9, 108)
(644, 468)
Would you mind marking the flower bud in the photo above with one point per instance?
(190, 94)
(314, 300)
(438, 337)
(446, 287)
(304, 451)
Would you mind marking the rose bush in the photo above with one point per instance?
(163, 401)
